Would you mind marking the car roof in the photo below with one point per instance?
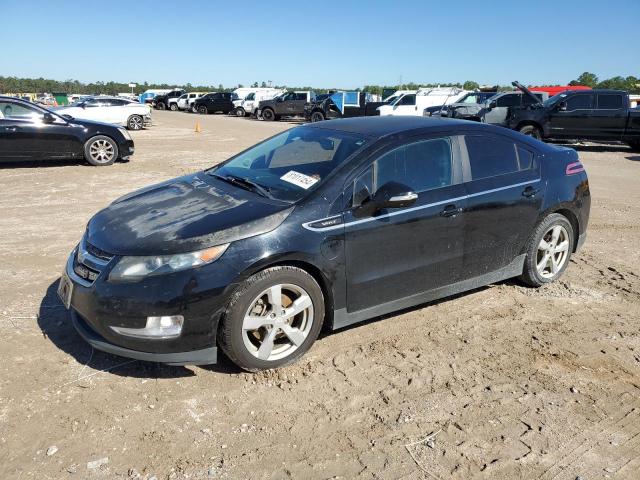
(378, 127)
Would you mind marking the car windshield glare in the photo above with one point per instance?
(294, 162)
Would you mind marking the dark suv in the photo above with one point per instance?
(215, 102)
(167, 100)
(326, 224)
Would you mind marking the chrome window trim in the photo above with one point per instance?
(308, 226)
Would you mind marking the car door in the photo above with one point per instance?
(400, 252)
(25, 136)
(572, 117)
(497, 115)
(504, 197)
(609, 117)
(406, 105)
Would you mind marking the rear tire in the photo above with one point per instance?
(548, 251)
(202, 110)
(100, 151)
(161, 106)
(531, 131)
(268, 115)
(317, 117)
(258, 333)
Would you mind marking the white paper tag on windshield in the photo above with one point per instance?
(299, 179)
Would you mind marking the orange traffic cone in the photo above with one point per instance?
(198, 127)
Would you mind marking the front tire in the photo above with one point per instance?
(268, 115)
(100, 151)
(161, 106)
(202, 110)
(272, 319)
(317, 117)
(173, 107)
(240, 112)
(531, 131)
(135, 122)
(549, 251)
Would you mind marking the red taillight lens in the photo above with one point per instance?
(573, 168)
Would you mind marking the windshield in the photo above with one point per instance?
(293, 162)
(551, 101)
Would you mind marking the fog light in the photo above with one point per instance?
(157, 327)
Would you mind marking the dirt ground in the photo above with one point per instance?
(503, 382)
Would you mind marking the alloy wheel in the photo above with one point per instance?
(277, 322)
(553, 251)
(135, 122)
(102, 151)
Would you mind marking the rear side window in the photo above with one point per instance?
(421, 165)
(527, 100)
(580, 102)
(491, 156)
(301, 96)
(609, 101)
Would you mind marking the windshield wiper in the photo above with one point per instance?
(245, 183)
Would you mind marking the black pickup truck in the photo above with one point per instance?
(580, 114)
(342, 105)
(288, 104)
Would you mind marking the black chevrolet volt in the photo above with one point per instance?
(323, 225)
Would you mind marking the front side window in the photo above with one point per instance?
(491, 156)
(18, 111)
(301, 96)
(609, 101)
(511, 100)
(407, 100)
(580, 102)
(293, 162)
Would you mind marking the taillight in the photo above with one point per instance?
(573, 168)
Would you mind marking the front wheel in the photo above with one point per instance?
(548, 251)
(317, 117)
(240, 112)
(531, 131)
(202, 110)
(135, 122)
(161, 106)
(173, 107)
(272, 319)
(100, 151)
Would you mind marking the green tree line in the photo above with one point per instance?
(42, 85)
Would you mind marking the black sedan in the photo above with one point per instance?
(325, 224)
(31, 132)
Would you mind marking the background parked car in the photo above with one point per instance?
(289, 104)
(118, 111)
(342, 105)
(414, 104)
(495, 110)
(167, 100)
(466, 107)
(31, 132)
(186, 101)
(215, 102)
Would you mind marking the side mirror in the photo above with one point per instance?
(390, 195)
(562, 107)
(492, 104)
(48, 118)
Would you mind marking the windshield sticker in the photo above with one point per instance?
(299, 179)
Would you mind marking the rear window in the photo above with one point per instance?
(491, 156)
(609, 101)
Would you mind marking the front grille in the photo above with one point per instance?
(89, 261)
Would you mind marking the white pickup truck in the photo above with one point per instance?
(119, 111)
(249, 104)
(415, 103)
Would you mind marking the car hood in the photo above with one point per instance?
(183, 215)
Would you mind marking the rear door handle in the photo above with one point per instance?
(450, 211)
(529, 192)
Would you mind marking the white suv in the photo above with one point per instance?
(186, 100)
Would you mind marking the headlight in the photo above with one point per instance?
(124, 133)
(132, 269)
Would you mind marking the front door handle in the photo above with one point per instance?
(450, 211)
(529, 192)
(11, 129)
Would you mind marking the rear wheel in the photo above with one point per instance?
(272, 319)
(100, 151)
(202, 110)
(548, 251)
(268, 115)
(135, 122)
(531, 131)
(161, 106)
(317, 117)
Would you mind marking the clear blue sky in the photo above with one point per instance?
(328, 43)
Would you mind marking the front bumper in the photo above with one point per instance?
(127, 149)
(205, 356)
(201, 297)
(146, 121)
